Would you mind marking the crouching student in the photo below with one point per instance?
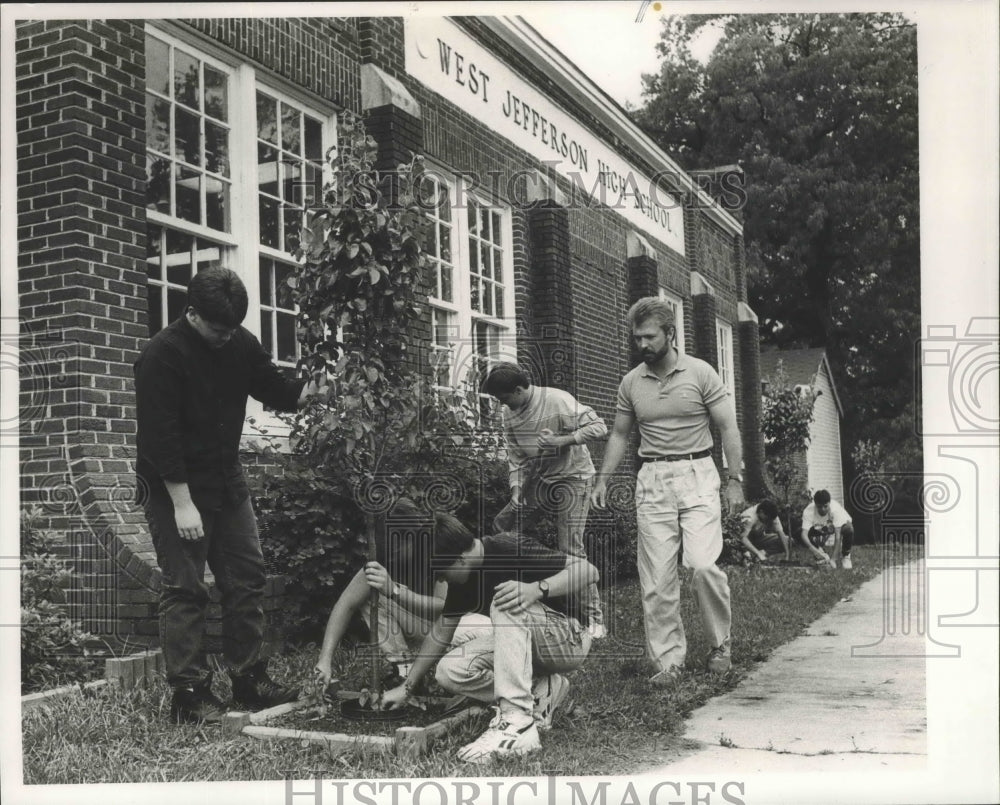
(763, 534)
(410, 597)
(532, 595)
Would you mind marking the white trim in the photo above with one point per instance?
(824, 363)
(724, 349)
(188, 228)
(243, 170)
(519, 34)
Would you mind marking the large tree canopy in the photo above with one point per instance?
(820, 113)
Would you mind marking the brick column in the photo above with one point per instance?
(393, 119)
(548, 351)
(704, 308)
(82, 286)
(643, 279)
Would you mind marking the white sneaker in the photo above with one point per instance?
(550, 694)
(597, 631)
(517, 736)
(846, 563)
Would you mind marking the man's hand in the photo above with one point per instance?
(734, 495)
(516, 596)
(323, 673)
(317, 384)
(188, 520)
(378, 578)
(548, 439)
(599, 496)
(395, 698)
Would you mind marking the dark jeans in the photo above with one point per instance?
(232, 550)
(818, 538)
(769, 542)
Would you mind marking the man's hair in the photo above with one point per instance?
(219, 296)
(451, 540)
(505, 378)
(821, 497)
(654, 309)
(768, 509)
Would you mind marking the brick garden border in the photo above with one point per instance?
(127, 672)
(409, 742)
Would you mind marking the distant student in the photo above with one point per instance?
(763, 534)
(546, 432)
(825, 523)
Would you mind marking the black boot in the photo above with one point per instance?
(195, 704)
(255, 690)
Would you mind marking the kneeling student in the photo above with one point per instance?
(532, 595)
(763, 534)
(410, 599)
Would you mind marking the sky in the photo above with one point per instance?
(604, 39)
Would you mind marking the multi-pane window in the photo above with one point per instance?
(485, 260)
(187, 136)
(172, 258)
(444, 310)
(289, 167)
(678, 307)
(277, 318)
(487, 280)
(231, 166)
(724, 337)
(471, 298)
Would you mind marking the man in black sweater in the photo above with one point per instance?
(192, 382)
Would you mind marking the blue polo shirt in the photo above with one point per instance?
(672, 415)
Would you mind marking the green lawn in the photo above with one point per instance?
(622, 725)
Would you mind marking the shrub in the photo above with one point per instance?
(734, 552)
(54, 650)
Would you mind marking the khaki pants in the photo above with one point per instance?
(499, 663)
(568, 499)
(674, 498)
(401, 633)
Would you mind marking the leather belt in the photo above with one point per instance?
(685, 457)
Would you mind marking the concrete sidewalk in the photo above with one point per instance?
(850, 694)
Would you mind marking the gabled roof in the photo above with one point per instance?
(801, 367)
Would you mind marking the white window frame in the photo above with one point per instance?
(727, 365)
(240, 248)
(460, 307)
(677, 304)
(724, 346)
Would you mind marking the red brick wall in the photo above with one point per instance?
(82, 286)
(318, 54)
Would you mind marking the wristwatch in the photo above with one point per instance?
(544, 587)
(737, 478)
(394, 592)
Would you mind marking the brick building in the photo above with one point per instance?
(148, 149)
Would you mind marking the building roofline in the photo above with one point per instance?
(521, 36)
(833, 384)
